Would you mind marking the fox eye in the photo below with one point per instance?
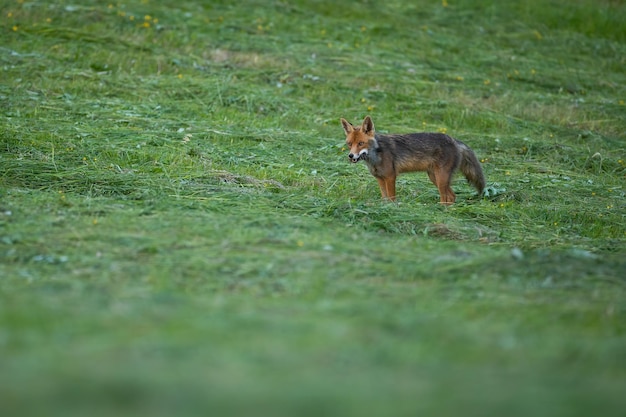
(361, 143)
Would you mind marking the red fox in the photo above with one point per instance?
(387, 156)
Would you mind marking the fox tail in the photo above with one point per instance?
(470, 167)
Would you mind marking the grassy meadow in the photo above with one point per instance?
(181, 232)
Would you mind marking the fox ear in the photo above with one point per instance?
(368, 126)
(347, 126)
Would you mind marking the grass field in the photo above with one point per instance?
(181, 232)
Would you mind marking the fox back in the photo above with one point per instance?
(418, 151)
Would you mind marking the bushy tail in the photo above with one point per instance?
(470, 167)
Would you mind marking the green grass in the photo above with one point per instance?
(181, 232)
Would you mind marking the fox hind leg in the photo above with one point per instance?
(441, 177)
(431, 175)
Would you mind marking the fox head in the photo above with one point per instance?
(359, 138)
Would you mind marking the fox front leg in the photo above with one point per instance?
(387, 187)
(383, 187)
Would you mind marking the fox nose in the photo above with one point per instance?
(351, 156)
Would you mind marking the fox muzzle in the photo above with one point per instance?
(357, 157)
